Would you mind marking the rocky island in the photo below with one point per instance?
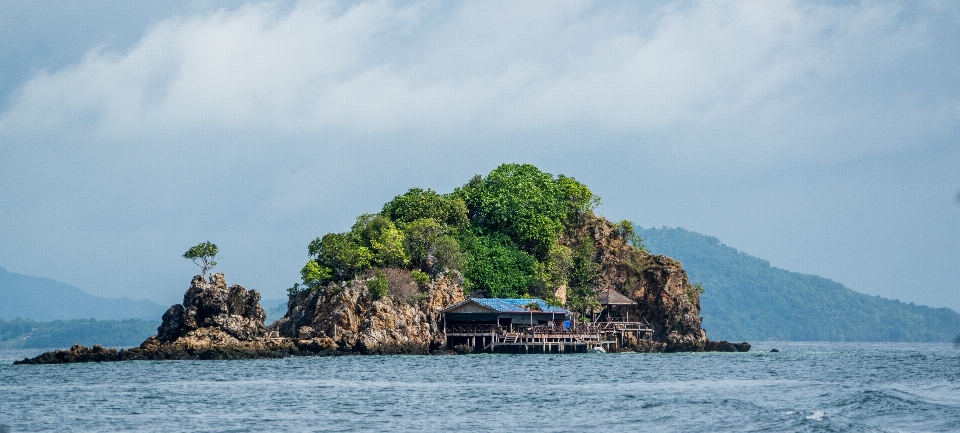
(382, 287)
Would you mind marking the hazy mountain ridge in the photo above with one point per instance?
(43, 299)
(747, 299)
(21, 334)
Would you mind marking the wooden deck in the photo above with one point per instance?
(546, 339)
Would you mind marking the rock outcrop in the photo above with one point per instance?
(658, 283)
(214, 322)
(345, 317)
(235, 311)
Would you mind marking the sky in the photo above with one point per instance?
(821, 136)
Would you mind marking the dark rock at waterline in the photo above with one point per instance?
(77, 353)
(98, 353)
(725, 346)
(708, 346)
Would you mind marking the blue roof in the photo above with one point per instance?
(504, 305)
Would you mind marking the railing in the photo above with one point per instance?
(574, 328)
(473, 329)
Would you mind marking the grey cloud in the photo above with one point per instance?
(263, 125)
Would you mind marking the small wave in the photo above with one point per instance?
(816, 416)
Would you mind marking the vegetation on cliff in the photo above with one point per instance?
(516, 232)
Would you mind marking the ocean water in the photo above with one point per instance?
(805, 387)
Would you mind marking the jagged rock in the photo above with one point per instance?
(348, 315)
(173, 324)
(234, 310)
(317, 345)
(214, 322)
(658, 284)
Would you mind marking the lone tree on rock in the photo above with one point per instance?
(203, 255)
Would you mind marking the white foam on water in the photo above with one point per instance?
(816, 416)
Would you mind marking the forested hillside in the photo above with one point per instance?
(747, 299)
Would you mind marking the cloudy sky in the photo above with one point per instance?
(821, 136)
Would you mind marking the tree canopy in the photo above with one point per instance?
(501, 231)
(203, 255)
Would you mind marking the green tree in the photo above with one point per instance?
(629, 235)
(519, 201)
(339, 253)
(583, 276)
(417, 204)
(430, 248)
(497, 266)
(578, 200)
(384, 240)
(203, 255)
(554, 271)
(314, 275)
(378, 286)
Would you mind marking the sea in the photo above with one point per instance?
(806, 386)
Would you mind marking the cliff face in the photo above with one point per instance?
(346, 318)
(658, 283)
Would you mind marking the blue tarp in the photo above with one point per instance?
(506, 305)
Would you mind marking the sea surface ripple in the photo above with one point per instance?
(805, 387)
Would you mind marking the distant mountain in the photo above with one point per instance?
(25, 334)
(747, 299)
(275, 309)
(43, 299)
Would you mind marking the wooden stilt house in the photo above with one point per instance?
(616, 307)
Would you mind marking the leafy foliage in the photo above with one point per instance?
(501, 231)
(554, 271)
(526, 204)
(498, 267)
(341, 254)
(695, 289)
(583, 276)
(314, 275)
(629, 235)
(203, 255)
(417, 204)
(378, 286)
(430, 248)
(419, 276)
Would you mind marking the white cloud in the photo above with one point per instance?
(373, 70)
(269, 124)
